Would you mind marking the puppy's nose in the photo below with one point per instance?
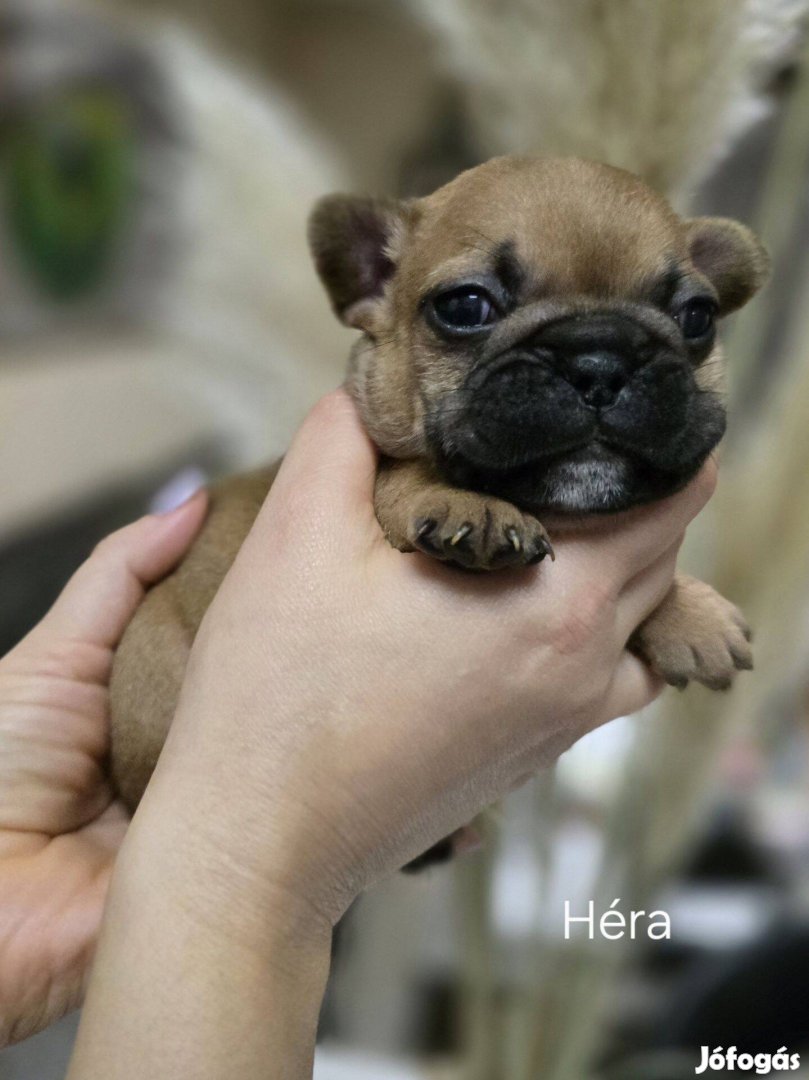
(598, 376)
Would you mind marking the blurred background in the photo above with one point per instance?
(160, 324)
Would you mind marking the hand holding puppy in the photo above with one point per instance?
(346, 706)
(254, 801)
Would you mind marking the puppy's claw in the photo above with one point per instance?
(542, 550)
(461, 534)
(477, 532)
(741, 661)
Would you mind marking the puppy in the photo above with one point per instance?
(538, 343)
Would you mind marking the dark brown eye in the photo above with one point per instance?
(467, 307)
(696, 318)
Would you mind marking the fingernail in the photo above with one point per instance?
(178, 492)
(195, 496)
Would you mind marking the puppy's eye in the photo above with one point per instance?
(467, 307)
(696, 318)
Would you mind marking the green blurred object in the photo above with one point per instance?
(68, 175)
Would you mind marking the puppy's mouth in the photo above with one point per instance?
(534, 438)
(593, 479)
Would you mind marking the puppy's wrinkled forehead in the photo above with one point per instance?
(545, 227)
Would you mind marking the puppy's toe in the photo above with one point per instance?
(424, 537)
(479, 533)
(696, 636)
(516, 539)
(445, 535)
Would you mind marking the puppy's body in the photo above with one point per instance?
(537, 338)
(150, 660)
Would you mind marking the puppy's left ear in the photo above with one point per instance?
(355, 241)
(731, 256)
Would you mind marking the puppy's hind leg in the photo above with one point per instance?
(149, 667)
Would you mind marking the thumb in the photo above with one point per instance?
(330, 465)
(100, 599)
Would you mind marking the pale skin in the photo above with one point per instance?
(346, 706)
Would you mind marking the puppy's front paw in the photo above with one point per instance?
(696, 635)
(476, 531)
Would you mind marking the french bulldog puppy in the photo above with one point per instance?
(538, 345)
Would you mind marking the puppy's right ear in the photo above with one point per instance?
(354, 241)
(732, 258)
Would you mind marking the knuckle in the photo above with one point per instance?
(110, 548)
(587, 617)
(118, 547)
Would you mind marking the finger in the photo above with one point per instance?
(634, 687)
(624, 544)
(645, 591)
(331, 462)
(100, 599)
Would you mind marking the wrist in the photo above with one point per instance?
(231, 862)
(226, 974)
(262, 812)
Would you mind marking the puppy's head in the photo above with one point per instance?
(541, 329)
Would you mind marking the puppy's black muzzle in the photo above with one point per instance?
(550, 392)
(597, 355)
(613, 384)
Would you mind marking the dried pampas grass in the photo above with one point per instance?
(660, 87)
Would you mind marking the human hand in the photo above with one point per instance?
(60, 825)
(346, 706)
